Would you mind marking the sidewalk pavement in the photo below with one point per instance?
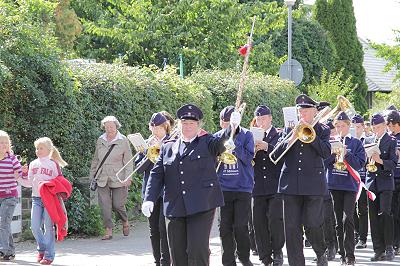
(135, 250)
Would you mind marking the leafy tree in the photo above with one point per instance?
(330, 86)
(390, 53)
(311, 46)
(337, 17)
(68, 27)
(206, 32)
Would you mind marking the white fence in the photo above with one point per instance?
(16, 224)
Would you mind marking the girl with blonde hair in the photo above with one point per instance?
(45, 167)
(10, 169)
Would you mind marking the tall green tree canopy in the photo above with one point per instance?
(207, 32)
(337, 17)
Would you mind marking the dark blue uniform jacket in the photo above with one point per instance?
(382, 180)
(355, 157)
(189, 180)
(266, 173)
(303, 165)
(240, 176)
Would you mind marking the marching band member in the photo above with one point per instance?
(382, 184)
(344, 187)
(160, 128)
(393, 123)
(303, 185)
(186, 170)
(268, 205)
(236, 182)
(361, 211)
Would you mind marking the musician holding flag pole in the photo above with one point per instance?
(237, 182)
(343, 187)
(381, 182)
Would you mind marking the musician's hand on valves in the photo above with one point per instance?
(236, 118)
(147, 208)
(261, 145)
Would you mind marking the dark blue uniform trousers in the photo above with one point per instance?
(343, 202)
(381, 220)
(189, 237)
(308, 211)
(361, 216)
(158, 235)
(233, 227)
(396, 215)
(268, 226)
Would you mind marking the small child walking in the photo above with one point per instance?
(10, 170)
(45, 167)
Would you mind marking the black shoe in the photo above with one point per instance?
(246, 263)
(379, 257)
(397, 251)
(350, 261)
(267, 262)
(331, 253)
(278, 259)
(254, 252)
(342, 260)
(322, 261)
(361, 244)
(8, 257)
(389, 256)
(307, 243)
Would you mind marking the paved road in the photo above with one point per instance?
(135, 250)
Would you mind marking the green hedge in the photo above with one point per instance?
(258, 89)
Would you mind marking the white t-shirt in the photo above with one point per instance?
(42, 169)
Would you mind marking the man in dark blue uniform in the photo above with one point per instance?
(268, 205)
(186, 170)
(303, 185)
(361, 211)
(237, 181)
(382, 184)
(393, 123)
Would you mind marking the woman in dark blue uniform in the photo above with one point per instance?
(382, 184)
(186, 170)
(344, 187)
(160, 128)
(303, 185)
(268, 205)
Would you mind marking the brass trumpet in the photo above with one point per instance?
(370, 149)
(227, 156)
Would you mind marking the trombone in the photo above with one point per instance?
(152, 148)
(303, 132)
(140, 145)
(343, 105)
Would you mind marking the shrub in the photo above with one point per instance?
(258, 89)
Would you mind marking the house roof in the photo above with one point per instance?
(377, 79)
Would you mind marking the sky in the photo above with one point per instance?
(376, 19)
